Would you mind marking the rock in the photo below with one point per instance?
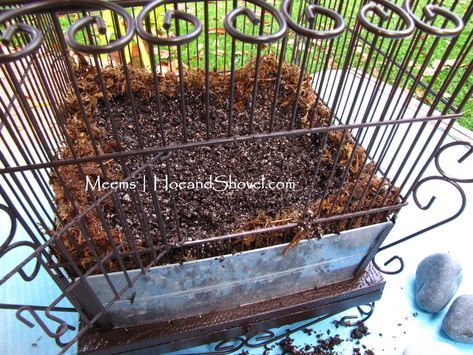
(437, 279)
(430, 348)
(458, 322)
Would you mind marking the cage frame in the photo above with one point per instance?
(413, 27)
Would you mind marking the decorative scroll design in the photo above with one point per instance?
(453, 181)
(12, 231)
(380, 11)
(229, 24)
(60, 331)
(265, 337)
(11, 31)
(283, 18)
(364, 315)
(168, 16)
(37, 37)
(89, 20)
(7, 245)
(431, 11)
(460, 160)
(310, 12)
(22, 273)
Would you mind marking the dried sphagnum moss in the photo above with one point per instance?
(88, 139)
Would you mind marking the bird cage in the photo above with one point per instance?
(171, 162)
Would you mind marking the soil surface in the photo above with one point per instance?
(126, 120)
(207, 212)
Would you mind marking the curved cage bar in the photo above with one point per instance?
(168, 16)
(378, 8)
(350, 101)
(430, 11)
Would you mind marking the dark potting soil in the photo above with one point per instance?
(124, 123)
(359, 332)
(203, 213)
(322, 345)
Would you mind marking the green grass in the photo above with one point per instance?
(441, 51)
(220, 48)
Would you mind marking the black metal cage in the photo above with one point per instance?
(344, 98)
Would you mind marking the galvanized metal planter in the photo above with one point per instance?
(366, 73)
(213, 284)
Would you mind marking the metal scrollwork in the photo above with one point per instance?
(234, 344)
(180, 39)
(431, 11)
(310, 12)
(389, 262)
(11, 31)
(22, 273)
(11, 233)
(364, 315)
(266, 337)
(380, 11)
(229, 24)
(60, 331)
(36, 36)
(460, 160)
(8, 246)
(112, 46)
(453, 181)
(261, 338)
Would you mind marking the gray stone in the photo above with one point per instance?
(438, 277)
(458, 322)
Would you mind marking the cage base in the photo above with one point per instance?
(246, 320)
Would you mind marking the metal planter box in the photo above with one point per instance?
(207, 285)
